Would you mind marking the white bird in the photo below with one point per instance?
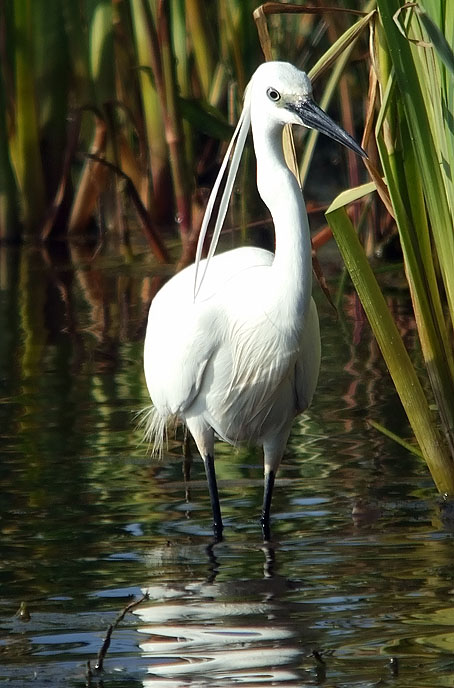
(237, 354)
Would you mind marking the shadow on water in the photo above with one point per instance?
(356, 588)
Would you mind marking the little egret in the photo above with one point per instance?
(233, 348)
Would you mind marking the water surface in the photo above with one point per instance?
(356, 588)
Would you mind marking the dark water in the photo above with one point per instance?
(357, 588)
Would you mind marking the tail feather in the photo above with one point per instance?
(155, 429)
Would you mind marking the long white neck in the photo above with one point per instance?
(291, 272)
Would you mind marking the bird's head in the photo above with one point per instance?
(283, 94)
(277, 94)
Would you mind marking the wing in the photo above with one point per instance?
(183, 335)
(253, 368)
(178, 345)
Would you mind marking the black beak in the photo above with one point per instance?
(313, 117)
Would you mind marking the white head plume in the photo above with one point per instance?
(239, 137)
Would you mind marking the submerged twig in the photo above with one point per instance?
(99, 666)
(88, 675)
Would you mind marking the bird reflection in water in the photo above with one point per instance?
(231, 630)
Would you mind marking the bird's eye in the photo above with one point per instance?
(273, 95)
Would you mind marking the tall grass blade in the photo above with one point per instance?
(394, 352)
(410, 89)
(182, 68)
(101, 47)
(417, 181)
(92, 183)
(182, 181)
(149, 75)
(51, 67)
(199, 29)
(26, 156)
(9, 220)
(438, 40)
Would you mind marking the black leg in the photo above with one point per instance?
(214, 497)
(267, 496)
